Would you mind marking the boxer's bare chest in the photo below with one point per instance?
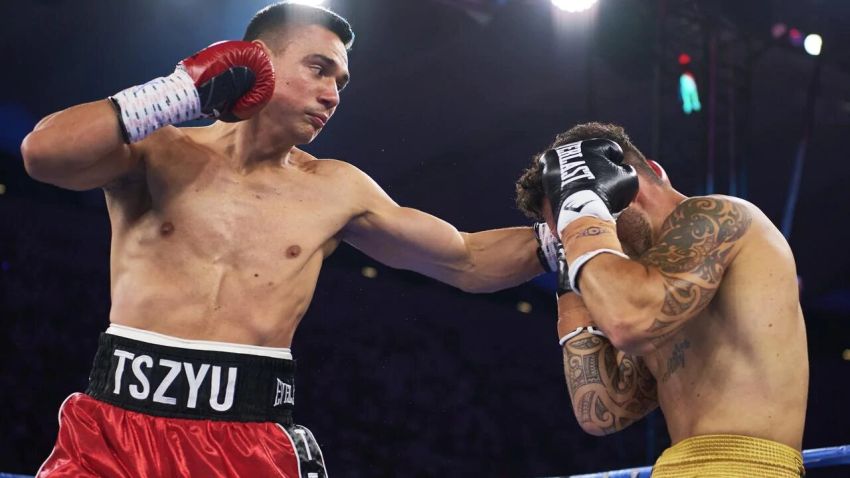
(201, 206)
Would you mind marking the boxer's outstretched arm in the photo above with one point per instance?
(79, 148)
(640, 303)
(406, 238)
(609, 389)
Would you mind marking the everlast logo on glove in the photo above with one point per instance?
(189, 383)
(572, 170)
(587, 178)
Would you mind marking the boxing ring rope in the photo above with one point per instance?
(814, 458)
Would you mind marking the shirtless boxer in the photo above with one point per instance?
(218, 235)
(690, 304)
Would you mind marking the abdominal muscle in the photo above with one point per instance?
(247, 298)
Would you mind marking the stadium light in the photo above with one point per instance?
(314, 3)
(573, 6)
(813, 44)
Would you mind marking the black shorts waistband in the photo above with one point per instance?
(186, 383)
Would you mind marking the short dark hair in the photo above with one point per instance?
(271, 19)
(529, 187)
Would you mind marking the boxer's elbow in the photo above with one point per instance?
(474, 285)
(46, 163)
(35, 157)
(596, 430)
(627, 328)
(627, 321)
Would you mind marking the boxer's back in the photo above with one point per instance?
(741, 366)
(203, 250)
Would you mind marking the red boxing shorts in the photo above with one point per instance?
(158, 406)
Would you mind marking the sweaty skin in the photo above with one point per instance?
(705, 323)
(219, 233)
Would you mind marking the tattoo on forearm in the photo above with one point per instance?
(693, 252)
(676, 360)
(608, 392)
(593, 231)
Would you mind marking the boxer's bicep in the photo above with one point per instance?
(79, 148)
(403, 237)
(698, 242)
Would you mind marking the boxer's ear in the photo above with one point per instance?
(658, 170)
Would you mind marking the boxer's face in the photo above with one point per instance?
(311, 68)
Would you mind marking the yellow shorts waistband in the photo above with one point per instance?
(728, 456)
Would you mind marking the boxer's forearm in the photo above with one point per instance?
(500, 258)
(78, 148)
(407, 238)
(609, 390)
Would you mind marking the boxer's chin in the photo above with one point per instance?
(634, 232)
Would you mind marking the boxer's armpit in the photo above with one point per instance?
(609, 390)
(695, 248)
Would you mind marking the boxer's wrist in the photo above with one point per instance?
(572, 314)
(547, 247)
(143, 109)
(580, 204)
(586, 234)
(578, 331)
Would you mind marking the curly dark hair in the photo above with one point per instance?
(529, 186)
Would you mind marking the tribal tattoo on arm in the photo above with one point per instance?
(609, 390)
(696, 245)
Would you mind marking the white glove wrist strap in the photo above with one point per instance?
(591, 329)
(582, 203)
(165, 100)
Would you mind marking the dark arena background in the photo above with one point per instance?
(400, 375)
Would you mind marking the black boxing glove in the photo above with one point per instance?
(587, 178)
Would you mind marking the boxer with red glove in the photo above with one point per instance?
(229, 80)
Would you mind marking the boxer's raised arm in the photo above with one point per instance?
(91, 145)
(79, 148)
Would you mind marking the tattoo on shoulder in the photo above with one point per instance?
(694, 250)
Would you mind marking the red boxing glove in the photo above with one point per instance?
(234, 79)
(230, 80)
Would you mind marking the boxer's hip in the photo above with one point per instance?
(728, 456)
(166, 376)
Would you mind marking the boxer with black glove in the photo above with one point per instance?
(702, 315)
(587, 179)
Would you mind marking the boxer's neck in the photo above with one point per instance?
(248, 144)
